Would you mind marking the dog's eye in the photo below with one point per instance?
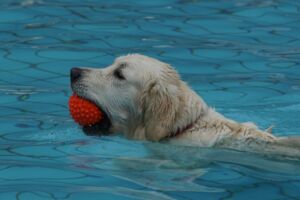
(118, 74)
(122, 65)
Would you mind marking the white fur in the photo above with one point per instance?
(153, 103)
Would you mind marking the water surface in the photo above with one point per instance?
(242, 57)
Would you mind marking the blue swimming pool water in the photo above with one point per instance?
(241, 56)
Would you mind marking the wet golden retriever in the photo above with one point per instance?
(145, 99)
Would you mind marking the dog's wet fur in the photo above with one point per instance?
(145, 99)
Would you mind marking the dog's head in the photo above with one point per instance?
(140, 96)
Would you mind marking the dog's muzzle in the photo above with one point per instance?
(102, 128)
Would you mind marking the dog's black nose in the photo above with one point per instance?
(75, 74)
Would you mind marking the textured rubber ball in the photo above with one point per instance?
(84, 112)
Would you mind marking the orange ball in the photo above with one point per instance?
(83, 111)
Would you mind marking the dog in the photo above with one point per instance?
(145, 99)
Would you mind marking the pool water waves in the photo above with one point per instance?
(242, 57)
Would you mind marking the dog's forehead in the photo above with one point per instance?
(141, 62)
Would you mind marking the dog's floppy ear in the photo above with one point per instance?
(160, 104)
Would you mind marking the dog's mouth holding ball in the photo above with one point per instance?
(91, 116)
(99, 127)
